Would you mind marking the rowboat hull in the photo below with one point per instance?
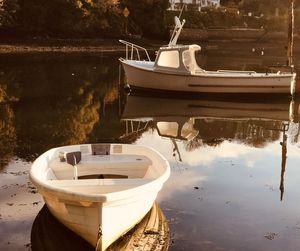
(100, 210)
(91, 219)
(209, 82)
(48, 234)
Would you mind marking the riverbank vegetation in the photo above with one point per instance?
(81, 18)
(117, 18)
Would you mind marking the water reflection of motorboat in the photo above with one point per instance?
(170, 127)
(176, 118)
(170, 110)
(48, 234)
(178, 129)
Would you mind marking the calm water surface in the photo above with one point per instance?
(235, 163)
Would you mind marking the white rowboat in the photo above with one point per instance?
(100, 191)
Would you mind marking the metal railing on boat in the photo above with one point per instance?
(134, 127)
(134, 48)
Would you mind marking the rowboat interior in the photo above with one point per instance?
(89, 187)
(98, 170)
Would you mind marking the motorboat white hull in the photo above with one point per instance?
(101, 210)
(209, 82)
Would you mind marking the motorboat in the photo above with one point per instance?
(100, 191)
(175, 69)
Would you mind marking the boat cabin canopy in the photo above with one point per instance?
(178, 59)
(176, 128)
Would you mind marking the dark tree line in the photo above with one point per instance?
(82, 18)
(103, 18)
(148, 14)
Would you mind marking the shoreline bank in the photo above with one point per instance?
(56, 45)
(91, 46)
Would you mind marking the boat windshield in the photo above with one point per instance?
(169, 59)
(189, 61)
(188, 132)
(168, 128)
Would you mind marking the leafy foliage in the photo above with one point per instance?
(104, 18)
(82, 17)
(148, 14)
(62, 17)
(8, 10)
(43, 16)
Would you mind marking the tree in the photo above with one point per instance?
(54, 17)
(149, 15)
(102, 16)
(62, 17)
(8, 11)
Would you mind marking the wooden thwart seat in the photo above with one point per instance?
(98, 186)
(97, 182)
(103, 176)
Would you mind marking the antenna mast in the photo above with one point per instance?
(177, 29)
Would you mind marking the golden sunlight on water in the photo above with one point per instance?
(234, 181)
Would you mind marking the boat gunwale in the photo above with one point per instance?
(62, 193)
(212, 74)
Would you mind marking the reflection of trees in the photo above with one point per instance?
(8, 87)
(7, 134)
(59, 101)
(110, 128)
(7, 127)
(294, 132)
(256, 133)
(78, 120)
(44, 123)
(194, 144)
